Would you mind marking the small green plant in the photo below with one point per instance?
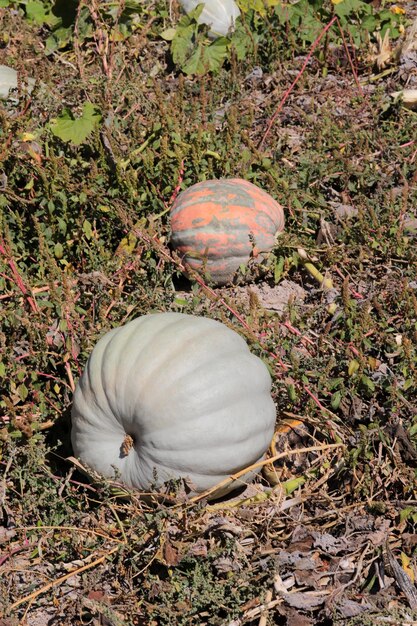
(74, 19)
(195, 53)
(358, 19)
(301, 21)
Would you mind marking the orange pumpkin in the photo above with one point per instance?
(217, 225)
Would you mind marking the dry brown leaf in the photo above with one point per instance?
(332, 545)
(385, 52)
(6, 534)
(171, 553)
(298, 619)
(410, 41)
(349, 608)
(304, 600)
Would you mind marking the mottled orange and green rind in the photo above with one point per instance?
(214, 221)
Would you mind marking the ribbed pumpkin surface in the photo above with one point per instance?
(217, 225)
(186, 390)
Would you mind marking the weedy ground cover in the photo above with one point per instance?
(91, 161)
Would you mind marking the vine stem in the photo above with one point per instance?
(259, 464)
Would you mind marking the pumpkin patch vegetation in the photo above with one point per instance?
(219, 225)
(171, 396)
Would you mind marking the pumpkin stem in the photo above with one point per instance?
(126, 446)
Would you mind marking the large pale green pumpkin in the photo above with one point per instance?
(9, 80)
(220, 15)
(185, 391)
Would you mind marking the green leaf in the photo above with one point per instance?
(336, 399)
(87, 229)
(407, 512)
(260, 6)
(182, 44)
(180, 302)
(169, 34)
(292, 394)
(35, 11)
(240, 42)
(353, 367)
(207, 58)
(23, 392)
(365, 380)
(76, 130)
(216, 53)
(195, 64)
(278, 269)
(58, 251)
(191, 51)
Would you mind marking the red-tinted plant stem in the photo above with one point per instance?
(301, 72)
(350, 59)
(295, 81)
(17, 279)
(178, 187)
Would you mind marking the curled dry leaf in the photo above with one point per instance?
(385, 52)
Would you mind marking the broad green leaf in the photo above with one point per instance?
(76, 130)
(195, 64)
(191, 53)
(59, 38)
(241, 43)
(182, 45)
(216, 53)
(207, 58)
(368, 382)
(35, 11)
